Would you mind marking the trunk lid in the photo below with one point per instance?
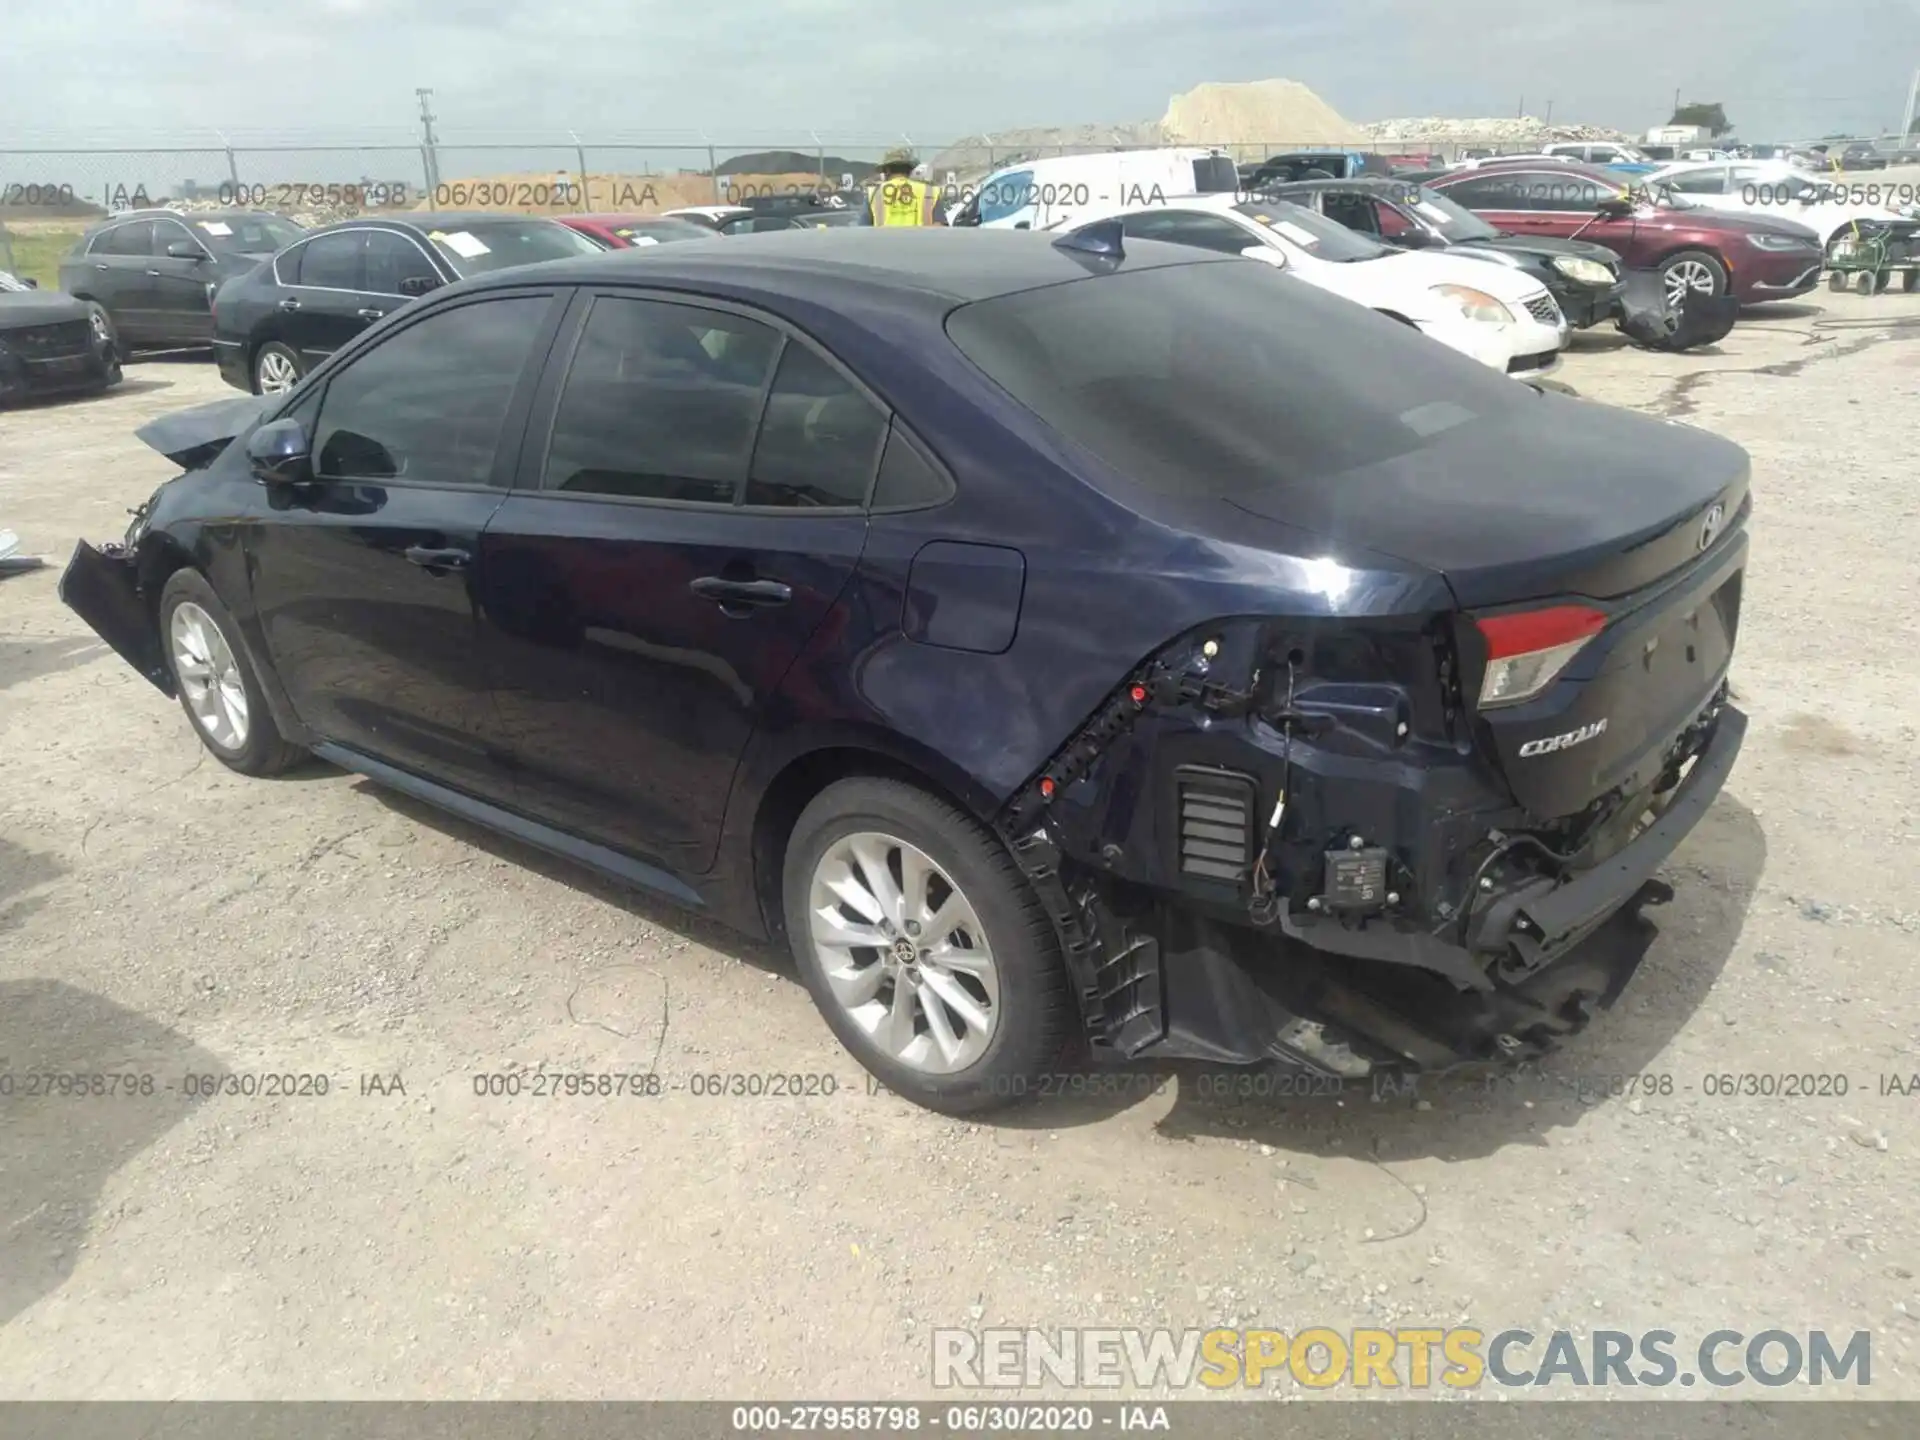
(1556, 496)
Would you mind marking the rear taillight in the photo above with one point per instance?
(1526, 651)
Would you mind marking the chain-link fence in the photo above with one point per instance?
(317, 183)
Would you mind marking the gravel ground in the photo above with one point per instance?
(401, 1237)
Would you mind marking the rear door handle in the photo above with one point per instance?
(435, 560)
(98, 266)
(154, 273)
(290, 304)
(368, 314)
(737, 597)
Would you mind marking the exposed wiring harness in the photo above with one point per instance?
(1264, 906)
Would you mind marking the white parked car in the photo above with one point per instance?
(1501, 317)
(1478, 162)
(1061, 189)
(1778, 190)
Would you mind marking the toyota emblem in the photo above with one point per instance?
(1710, 527)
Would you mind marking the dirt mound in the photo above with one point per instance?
(1271, 114)
(1251, 120)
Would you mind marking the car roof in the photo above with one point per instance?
(170, 212)
(933, 263)
(613, 218)
(1378, 184)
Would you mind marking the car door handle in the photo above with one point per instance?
(737, 597)
(437, 561)
(154, 273)
(370, 314)
(289, 304)
(98, 266)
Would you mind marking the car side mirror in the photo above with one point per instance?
(1267, 255)
(185, 250)
(29, 282)
(280, 453)
(1615, 208)
(1410, 239)
(1023, 224)
(415, 285)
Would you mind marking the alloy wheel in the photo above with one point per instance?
(277, 375)
(98, 320)
(904, 952)
(209, 677)
(1688, 277)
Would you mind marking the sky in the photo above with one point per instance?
(755, 73)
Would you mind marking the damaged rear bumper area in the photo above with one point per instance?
(102, 587)
(1324, 872)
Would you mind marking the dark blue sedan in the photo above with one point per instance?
(1048, 643)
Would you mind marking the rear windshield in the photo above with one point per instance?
(1222, 377)
(475, 247)
(1313, 232)
(247, 234)
(662, 229)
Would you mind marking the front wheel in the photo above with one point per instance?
(215, 680)
(276, 369)
(924, 948)
(106, 339)
(1693, 272)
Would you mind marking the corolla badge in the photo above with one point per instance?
(1551, 743)
(1710, 527)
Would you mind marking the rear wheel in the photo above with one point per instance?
(922, 945)
(215, 681)
(276, 369)
(1693, 272)
(1836, 281)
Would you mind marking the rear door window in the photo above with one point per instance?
(1209, 379)
(332, 262)
(819, 439)
(133, 238)
(661, 402)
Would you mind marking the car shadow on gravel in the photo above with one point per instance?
(1716, 873)
(585, 881)
(23, 661)
(85, 1085)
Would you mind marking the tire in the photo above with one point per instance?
(1694, 264)
(195, 626)
(277, 366)
(105, 330)
(1836, 281)
(1023, 992)
(1910, 281)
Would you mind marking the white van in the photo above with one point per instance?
(1038, 193)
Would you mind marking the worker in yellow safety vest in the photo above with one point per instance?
(899, 199)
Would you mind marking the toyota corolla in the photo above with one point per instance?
(1089, 638)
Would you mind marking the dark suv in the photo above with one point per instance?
(155, 271)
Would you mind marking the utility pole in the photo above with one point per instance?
(1676, 101)
(430, 156)
(1549, 112)
(1913, 100)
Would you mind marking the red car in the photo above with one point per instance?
(1753, 257)
(624, 232)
